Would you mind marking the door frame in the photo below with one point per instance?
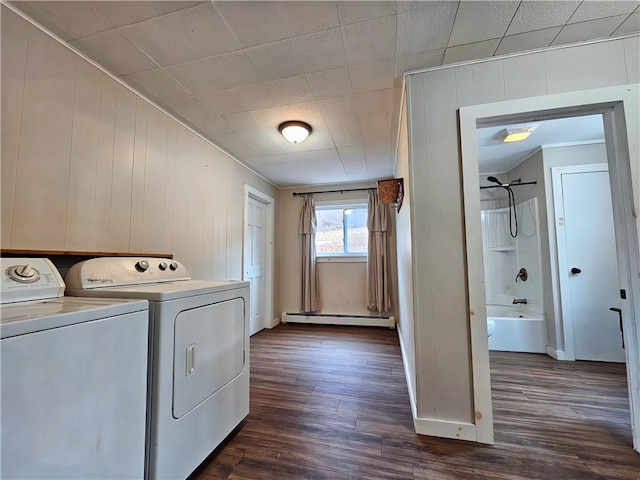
(269, 229)
(619, 107)
(561, 249)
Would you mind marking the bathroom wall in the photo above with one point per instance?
(438, 274)
(88, 165)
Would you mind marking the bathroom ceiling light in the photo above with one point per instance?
(516, 134)
(295, 131)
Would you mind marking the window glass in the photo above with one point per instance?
(342, 230)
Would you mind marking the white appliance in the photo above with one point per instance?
(74, 370)
(199, 355)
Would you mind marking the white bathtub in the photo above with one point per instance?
(517, 330)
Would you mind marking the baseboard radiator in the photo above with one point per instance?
(340, 319)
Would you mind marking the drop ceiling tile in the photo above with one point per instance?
(341, 120)
(266, 140)
(630, 25)
(156, 84)
(482, 20)
(471, 51)
(329, 154)
(355, 12)
(189, 109)
(221, 102)
(367, 77)
(334, 108)
(203, 30)
(163, 7)
(380, 102)
(527, 41)
(159, 40)
(426, 28)
(215, 73)
(114, 52)
(330, 83)
(237, 146)
(275, 93)
(415, 61)
(577, 32)
(68, 20)
(592, 10)
(538, 15)
(306, 54)
(213, 126)
(371, 40)
(305, 173)
(353, 161)
(257, 23)
(121, 13)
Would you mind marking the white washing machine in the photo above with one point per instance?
(74, 379)
(199, 354)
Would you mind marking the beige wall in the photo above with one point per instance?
(342, 285)
(87, 165)
(438, 274)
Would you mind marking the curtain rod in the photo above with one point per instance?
(296, 194)
(509, 185)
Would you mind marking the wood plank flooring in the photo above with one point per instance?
(332, 403)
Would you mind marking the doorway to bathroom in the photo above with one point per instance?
(609, 104)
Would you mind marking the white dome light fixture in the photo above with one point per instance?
(295, 131)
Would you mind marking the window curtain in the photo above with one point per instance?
(378, 297)
(307, 235)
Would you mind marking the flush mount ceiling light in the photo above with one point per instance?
(295, 131)
(516, 134)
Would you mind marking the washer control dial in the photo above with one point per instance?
(142, 266)
(173, 266)
(23, 273)
(162, 266)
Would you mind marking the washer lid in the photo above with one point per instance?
(35, 316)
(160, 292)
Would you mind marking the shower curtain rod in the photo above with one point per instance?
(508, 185)
(295, 194)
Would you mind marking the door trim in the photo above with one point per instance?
(561, 249)
(269, 203)
(619, 107)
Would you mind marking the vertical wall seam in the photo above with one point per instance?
(15, 173)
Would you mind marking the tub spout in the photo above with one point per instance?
(517, 301)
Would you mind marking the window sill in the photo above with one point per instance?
(342, 259)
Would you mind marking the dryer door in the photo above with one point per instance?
(208, 352)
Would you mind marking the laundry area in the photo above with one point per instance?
(242, 239)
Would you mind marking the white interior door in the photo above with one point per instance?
(590, 270)
(254, 261)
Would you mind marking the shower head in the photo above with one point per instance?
(494, 180)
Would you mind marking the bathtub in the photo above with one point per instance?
(517, 330)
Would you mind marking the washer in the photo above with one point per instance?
(74, 378)
(199, 354)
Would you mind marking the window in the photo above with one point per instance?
(342, 230)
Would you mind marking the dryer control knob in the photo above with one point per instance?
(142, 266)
(162, 266)
(23, 273)
(173, 266)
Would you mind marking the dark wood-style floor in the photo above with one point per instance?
(332, 403)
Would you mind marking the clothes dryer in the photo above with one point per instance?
(199, 354)
(74, 370)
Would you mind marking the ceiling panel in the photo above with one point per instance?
(538, 15)
(257, 23)
(477, 21)
(306, 54)
(115, 52)
(426, 28)
(235, 70)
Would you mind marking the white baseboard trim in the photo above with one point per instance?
(274, 323)
(329, 319)
(558, 354)
(430, 426)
